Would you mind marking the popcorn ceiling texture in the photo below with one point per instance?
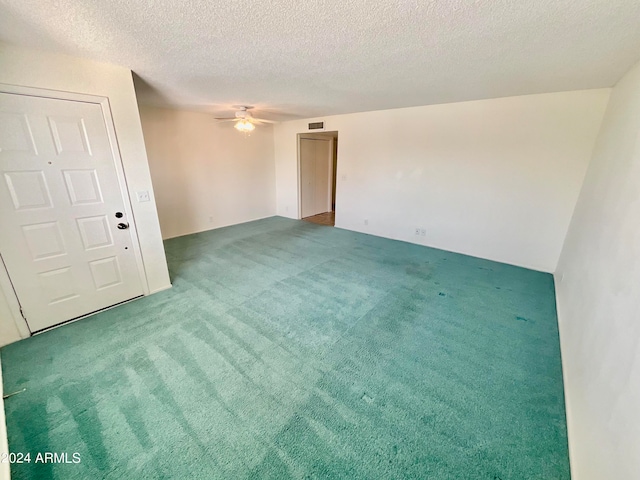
(302, 59)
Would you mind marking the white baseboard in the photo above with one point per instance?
(161, 289)
(216, 227)
(5, 473)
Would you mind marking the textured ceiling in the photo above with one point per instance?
(295, 58)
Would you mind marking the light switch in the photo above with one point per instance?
(143, 196)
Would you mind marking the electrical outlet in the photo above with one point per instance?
(417, 231)
(366, 221)
(143, 196)
(423, 232)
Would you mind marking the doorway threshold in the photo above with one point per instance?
(328, 219)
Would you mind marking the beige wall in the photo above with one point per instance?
(496, 179)
(206, 173)
(5, 473)
(63, 73)
(8, 329)
(598, 293)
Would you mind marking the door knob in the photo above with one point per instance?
(119, 215)
(123, 226)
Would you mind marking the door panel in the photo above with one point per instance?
(95, 232)
(15, 134)
(69, 135)
(323, 176)
(59, 193)
(82, 186)
(28, 190)
(44, 240)
(307, 173)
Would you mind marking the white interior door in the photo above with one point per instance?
(63, 226)
(307, 174)
(322, 188)
(315, 176)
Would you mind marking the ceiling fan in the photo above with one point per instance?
(245, 122)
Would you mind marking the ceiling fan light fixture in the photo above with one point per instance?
(244, 126)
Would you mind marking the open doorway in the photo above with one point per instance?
(317, 166)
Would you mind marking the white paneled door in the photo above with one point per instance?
(315, 176)
(65, 236)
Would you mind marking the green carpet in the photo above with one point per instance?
(292, 350)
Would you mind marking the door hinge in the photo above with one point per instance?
(22, 313)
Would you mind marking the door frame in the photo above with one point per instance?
(327, 136)
(6, 286)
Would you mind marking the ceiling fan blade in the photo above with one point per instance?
(227, 119)
(261, 120)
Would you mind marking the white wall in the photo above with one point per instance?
(59, 72)
(496, 179)
(206, 173)
(8, 329)
(598, 293)
(5, 473)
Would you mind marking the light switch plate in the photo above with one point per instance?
(143, 196)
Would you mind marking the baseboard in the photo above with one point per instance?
(219, 226)
(161, 289)
(535, 268)
(5, 473)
